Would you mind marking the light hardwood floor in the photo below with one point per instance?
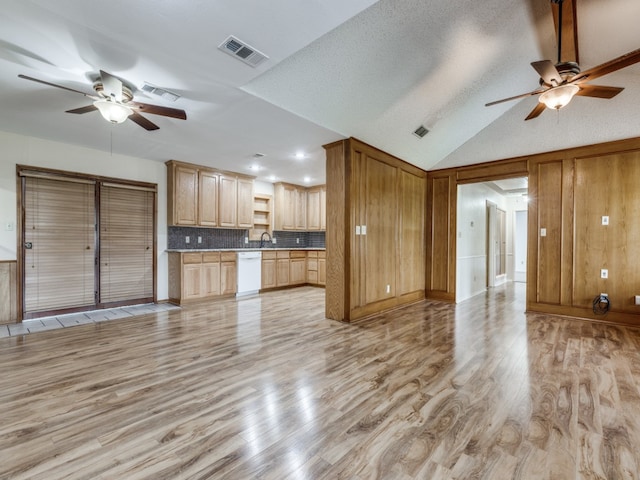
(266, 387)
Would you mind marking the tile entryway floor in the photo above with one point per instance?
(82, 318)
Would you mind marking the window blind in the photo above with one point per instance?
(60, 228)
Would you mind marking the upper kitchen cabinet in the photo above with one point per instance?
(316, 202)
(201, 196)
(299, 208)
(182, 194)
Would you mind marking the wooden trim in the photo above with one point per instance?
(8, 291)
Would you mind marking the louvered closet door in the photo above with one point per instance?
(60, 228)
(126, 244)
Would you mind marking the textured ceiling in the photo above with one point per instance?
(367, 69)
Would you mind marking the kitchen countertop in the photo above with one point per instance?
(195, 250)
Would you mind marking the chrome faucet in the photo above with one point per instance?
(262, 238)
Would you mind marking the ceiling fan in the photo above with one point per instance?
(559, 83)
(114, 101)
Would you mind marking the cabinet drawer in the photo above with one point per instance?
(188, 258)
(297, 254)
(227, 256)
(282, 254)
(210, 257)
(268, 255)
(312, 254)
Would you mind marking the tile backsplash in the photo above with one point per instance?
(232, 238)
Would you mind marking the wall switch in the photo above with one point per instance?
(9, 226)
(604, 273)
(605, 220)
(199, 239)
(186, 239)
(637, 299)
(388, 288)
(363, 229)
(543, 232)
(358, 229)
(246, 240)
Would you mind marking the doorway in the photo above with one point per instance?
(489, 235)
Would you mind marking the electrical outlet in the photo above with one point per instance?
(246, 240)
(273, 240)
(388, 288)
(604, 273)
(199, 239)
(297, 240)
(605, 220)
(187, 239)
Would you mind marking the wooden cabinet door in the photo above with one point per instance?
(300, 212)
(282, 272)
(228, 201)
(322, 271)
(210, 279)
(185, 195)
(245, 203)
(192, 281)
(208, 199)
(297, 271)
(288, 208)
(313, 209)
(228, 283)
(269, 273)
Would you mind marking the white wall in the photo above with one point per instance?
(471, 243)
(517, 238)
(18, 149)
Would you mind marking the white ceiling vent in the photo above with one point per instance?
(242, 51)
(421, 131)
(160, 92)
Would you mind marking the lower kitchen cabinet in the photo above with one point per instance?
(297, 268)
(268, 270)
(201, 275)
(282, 268)
(316, 267)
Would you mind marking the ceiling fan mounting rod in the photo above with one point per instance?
(559, 3)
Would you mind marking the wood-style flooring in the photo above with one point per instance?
(266, 387)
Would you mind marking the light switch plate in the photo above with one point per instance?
(604, 273)
(543, 232)
(605, 220)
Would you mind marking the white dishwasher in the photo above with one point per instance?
(249, 273)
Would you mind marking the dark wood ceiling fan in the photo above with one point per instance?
(114, 101)
(561, 81)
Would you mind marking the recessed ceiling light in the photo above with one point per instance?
(300, 155)
(254, 167)
(272, 178)
(307, 179)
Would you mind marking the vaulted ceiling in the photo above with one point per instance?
(375, 70)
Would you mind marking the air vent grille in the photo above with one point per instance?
(160, 92)
(242, 51)
(421, 131)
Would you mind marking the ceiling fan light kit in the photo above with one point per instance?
(113, 112)
(557, 97)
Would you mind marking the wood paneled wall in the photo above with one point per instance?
(8, 292)
(569, 193)
(375, 231)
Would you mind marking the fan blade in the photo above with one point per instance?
(548, 72)
(569, 30)
(57, 86)
(535, 92)
(143, 122)
(539, 108)
(598, 91)
(112, 86)
(608, 67)
(158, 110)
(87, 109)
